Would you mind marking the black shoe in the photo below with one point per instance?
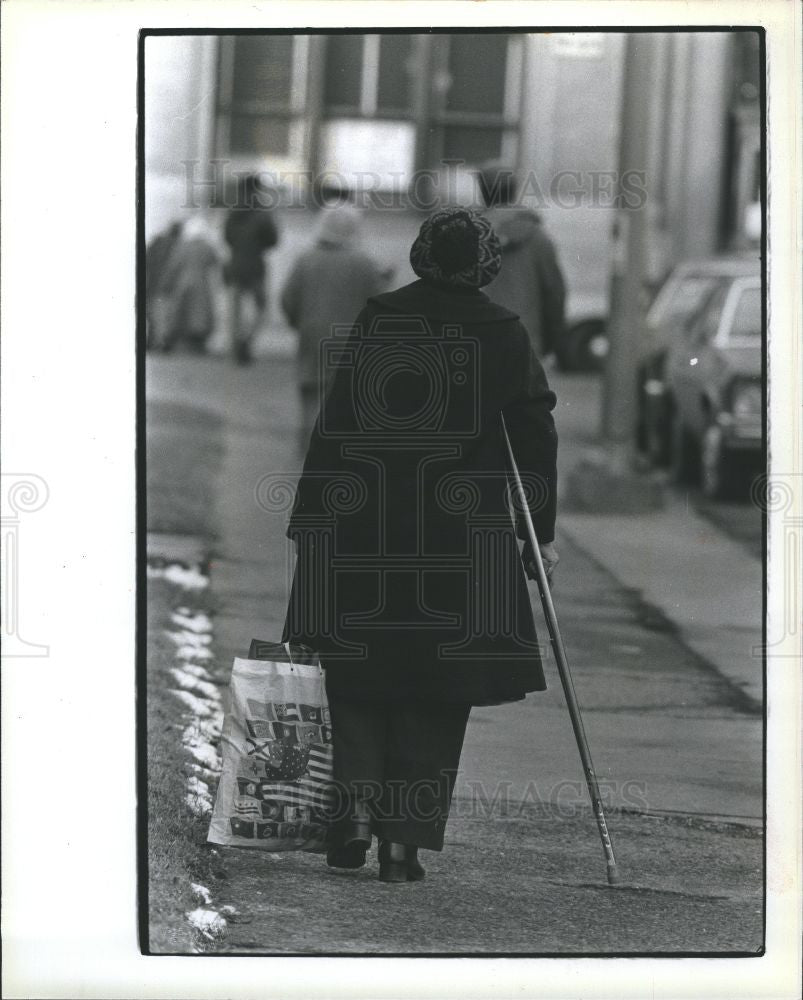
(415, 870)
(399, 863)
(242, 352)
(355, 839)
(350, 856)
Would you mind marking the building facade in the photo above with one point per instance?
(408, 114)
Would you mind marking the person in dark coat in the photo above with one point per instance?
(327, 285)
(531, 281)
(409, 580)
(250, 230)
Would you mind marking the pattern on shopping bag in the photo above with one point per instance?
(278, 779)
(288, 732)
(288, 787)
(288, 712)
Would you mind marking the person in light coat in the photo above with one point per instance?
(326, 288)
(190, 280)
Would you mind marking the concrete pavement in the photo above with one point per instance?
(707, 585)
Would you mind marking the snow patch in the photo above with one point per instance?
(194, 653)
(194, 639)
(202, 699)
(196, 671)
(198, 706)
(189, 682)
(206, 773)
(189, 578)
(201, 892)
(199, 798)
(208, 923)
(202, 750)
(194, 621)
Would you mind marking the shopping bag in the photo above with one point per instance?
(275, 791)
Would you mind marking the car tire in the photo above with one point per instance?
(657, 436)
(583, 348)
(682, 465)
(718, 479)
(591, 346)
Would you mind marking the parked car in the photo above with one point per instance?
(678, 299)
(584, 345)
(701, 388)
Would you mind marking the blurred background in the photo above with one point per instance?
(367, 112)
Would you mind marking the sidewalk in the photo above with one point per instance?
(707, 586)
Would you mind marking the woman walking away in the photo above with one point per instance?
(409, 580)
(327, 286)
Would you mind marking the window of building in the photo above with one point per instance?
(343, 73)
(261, 95)
(395, 68)
(476, 95)
(368, 75)
(476, 67)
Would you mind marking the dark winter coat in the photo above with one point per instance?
(408, 580)
(531, 281)
(249, 232)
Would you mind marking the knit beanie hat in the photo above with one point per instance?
(458, 247)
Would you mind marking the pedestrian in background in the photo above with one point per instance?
(250, 231)
(190, 277)
(405, 482)
(157, 254)
(531, 281)
(328, 285)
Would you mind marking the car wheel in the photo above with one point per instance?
(591, 346)
(717, 465)
(657, 444)
(682, 465)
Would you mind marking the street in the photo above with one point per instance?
(675, 734)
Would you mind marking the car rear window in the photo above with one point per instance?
(678, 303)
(746, 325)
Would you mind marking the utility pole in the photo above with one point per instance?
(606, 480)
(630, 254)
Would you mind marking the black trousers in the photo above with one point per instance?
(400, 758)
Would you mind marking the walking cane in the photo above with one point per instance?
(565, 674)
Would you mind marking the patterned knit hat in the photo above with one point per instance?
(456, 247)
